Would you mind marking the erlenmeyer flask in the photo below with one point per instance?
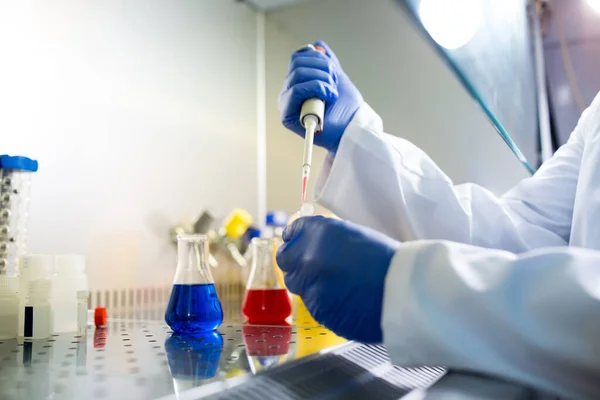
(194, 305)
(266, 300)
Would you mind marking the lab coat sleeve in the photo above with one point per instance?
(390, 185)
(533, 318)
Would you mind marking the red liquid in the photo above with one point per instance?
(268, 341)
(266, 306)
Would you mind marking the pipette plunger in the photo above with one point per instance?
(311, 118)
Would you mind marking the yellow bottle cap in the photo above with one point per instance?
(237, 223)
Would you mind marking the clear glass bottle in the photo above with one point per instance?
(266, 300)
(194, 305)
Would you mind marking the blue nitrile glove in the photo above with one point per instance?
(338, 269)
(314, 74)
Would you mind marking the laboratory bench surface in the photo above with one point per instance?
(138, 358)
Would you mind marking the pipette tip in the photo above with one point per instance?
(304, 183)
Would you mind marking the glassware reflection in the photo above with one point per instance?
(267, 346)
(99, 338)
(193, 359)
(233, 361)
(81, 355)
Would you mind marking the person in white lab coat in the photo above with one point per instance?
(443, 274)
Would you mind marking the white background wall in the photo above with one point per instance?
(139, 113)
(401, 78)
(142, 114)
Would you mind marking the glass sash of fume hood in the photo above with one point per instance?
(488, 46)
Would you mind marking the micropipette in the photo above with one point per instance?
(311, 118)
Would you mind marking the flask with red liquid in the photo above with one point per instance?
(266, 301)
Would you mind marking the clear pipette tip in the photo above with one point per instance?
(304, 182)
(310, 125)
(305, 175)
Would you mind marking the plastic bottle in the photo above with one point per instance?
(9, 306)
(194, 305)
(35, 312)
(266, 300)
(69, 292)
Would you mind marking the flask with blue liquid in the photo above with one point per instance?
(194, 306)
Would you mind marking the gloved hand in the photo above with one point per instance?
(338, 269)
(314, 74)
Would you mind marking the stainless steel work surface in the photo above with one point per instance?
(141, 359)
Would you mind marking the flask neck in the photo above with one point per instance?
(192, 260)
(264, 273)
(263, 252)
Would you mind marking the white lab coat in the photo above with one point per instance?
(506, 285)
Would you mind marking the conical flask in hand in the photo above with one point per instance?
(266, 300)
(194, 305)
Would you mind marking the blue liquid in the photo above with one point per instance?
(194, 308)
(194, 357)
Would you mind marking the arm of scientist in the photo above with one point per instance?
(387, 183)
(391, 185)
(532, 318)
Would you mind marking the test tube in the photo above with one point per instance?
(15, 182)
